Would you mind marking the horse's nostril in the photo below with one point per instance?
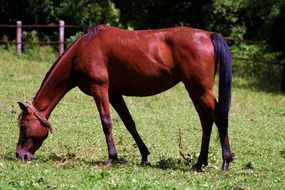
(24, 156)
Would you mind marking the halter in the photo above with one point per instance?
(43, 120)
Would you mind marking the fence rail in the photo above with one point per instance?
(19, 26)
(40, 26)
(61, 42)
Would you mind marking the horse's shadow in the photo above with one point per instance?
(71, 159)
(173, 164)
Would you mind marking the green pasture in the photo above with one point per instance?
(72, 157)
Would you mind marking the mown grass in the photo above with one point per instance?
(72, 157)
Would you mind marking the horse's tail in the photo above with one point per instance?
(224, 59)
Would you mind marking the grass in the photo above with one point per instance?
(72, 157)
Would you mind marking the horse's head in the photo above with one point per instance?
(34, 130)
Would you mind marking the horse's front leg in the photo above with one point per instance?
(120, 106)
(100, 94)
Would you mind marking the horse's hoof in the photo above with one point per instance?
(110, 161)
(145, 163)
(225, 167)
(196, 168)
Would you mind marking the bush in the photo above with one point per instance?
(40, 53)
(259, 70)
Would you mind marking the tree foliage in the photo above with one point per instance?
(250, 19)
(88, 12)
(157, 14)
(85, 12)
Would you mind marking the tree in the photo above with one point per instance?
(28, 11)
(88, 12)
(144, 14)
(226, 17)
(83, 12)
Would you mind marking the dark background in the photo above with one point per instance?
(244, 19)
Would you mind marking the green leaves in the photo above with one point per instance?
(86, 12)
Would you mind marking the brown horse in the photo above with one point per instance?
(108, 62)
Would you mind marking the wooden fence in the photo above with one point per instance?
(19, 31)
(61, 42)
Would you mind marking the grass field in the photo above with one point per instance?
(72, 157)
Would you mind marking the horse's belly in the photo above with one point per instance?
(144, 73)
(145, 86)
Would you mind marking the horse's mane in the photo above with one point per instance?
(52, 67)
(91, 32)
(95, 31)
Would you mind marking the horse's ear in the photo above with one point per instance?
(23, 107)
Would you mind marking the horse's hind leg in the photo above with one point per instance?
(204, 103)
(226, 150)
(120, 106)
(206, 106)
(207, 123)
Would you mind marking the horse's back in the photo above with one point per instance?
(147, 62)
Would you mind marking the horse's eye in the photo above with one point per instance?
(23, 126)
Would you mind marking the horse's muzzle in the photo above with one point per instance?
(24, 155)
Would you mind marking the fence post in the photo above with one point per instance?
(61, 37)
(283, 79)
(19, 37)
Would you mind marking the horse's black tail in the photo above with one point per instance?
(224, 59)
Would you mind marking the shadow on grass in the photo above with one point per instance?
(173, 164)
(73, 158)
(168, 164)
(64, 158)
(10, 156)
(258, 84)
(70, 160)
(258, 77)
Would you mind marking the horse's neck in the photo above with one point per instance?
(58, 81)
(55, 85)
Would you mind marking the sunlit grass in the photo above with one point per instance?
(72, 157)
